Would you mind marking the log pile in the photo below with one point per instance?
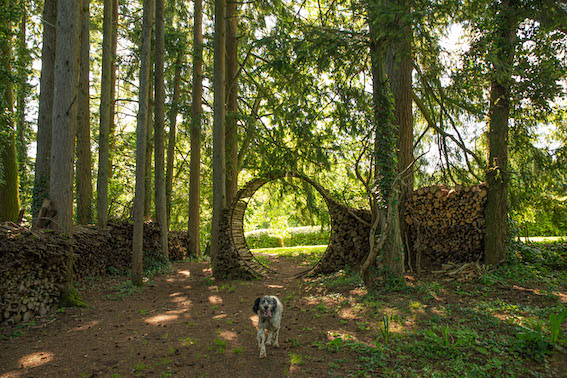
(446, 225)
(32, 262)
(32, 270)
(349, 242)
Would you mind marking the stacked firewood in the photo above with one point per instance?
(446, 224)
(32, 270)
(349, 239)
(32, 263)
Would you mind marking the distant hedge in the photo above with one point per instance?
(292, 237)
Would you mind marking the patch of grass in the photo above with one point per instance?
(295, 359)
(228, 287)
(238, 350)
(123, 290)
(187, 341)
(311, 254)
(220, 345)
(342, 278)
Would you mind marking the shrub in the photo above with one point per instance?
(263, 238)
(292, 237)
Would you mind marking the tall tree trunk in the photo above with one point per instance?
(385, 167)
(172, 132)
(84, 158)
(159, 121)
(45, 112)
(9, 196)
(65, 93)
(105, 116)
(149, 152)
(196, 112)
(399, 67)
(113, 80)
(141, 139)
(219, 130)
(232, 100)
(21, 128)
(497, 176)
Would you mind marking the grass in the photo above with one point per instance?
(310, 254)
(512, 322)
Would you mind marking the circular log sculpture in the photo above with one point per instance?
(348, 242)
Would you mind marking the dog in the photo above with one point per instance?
(269, 309)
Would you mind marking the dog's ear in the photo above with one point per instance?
(256, 305)
(274, 304)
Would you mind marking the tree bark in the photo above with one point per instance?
(219, 130)
(196, 112)
(9, 196)
(66, 83)
(45, 112)
(399, 67)
(385, 140)
(84, 158)
(497, 175)
(141, 139)
(172, 133)
(21, 127)
(113, 80)
(159, 121)
(105, 116)
(232, 100)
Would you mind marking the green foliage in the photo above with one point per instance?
(291, 237)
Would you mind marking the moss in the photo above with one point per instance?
(71, 298)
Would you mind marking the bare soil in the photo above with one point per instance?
(181, 324)
(186, 324)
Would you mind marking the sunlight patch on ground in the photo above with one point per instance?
(215, 299)
(162, 319)
(186, 273)
(228, 335)
(85, 326)
(36, 359)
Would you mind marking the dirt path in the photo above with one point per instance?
(182, 324)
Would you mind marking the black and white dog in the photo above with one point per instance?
(269, 309)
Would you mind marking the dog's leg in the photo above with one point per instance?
(269, 341)
(261, 342)
(276, 335)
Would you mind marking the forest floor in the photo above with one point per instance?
(187, 324)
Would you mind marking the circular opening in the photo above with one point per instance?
(287, 226)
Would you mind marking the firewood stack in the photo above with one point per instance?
(32, 270)
(446, 224)
(32, 262)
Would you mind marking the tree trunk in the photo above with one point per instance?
(196, 111)
(172, 133)
(497, 176)
(161, 212)
(141, 139)
(113, 75)
(21, 128)
(66, 83)
(232, 100)
(383, 198)
(219, 130)
(84, 159)
(45, 112)
(105, 116)
(399, 67)
(149, 153)
(9, 196)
